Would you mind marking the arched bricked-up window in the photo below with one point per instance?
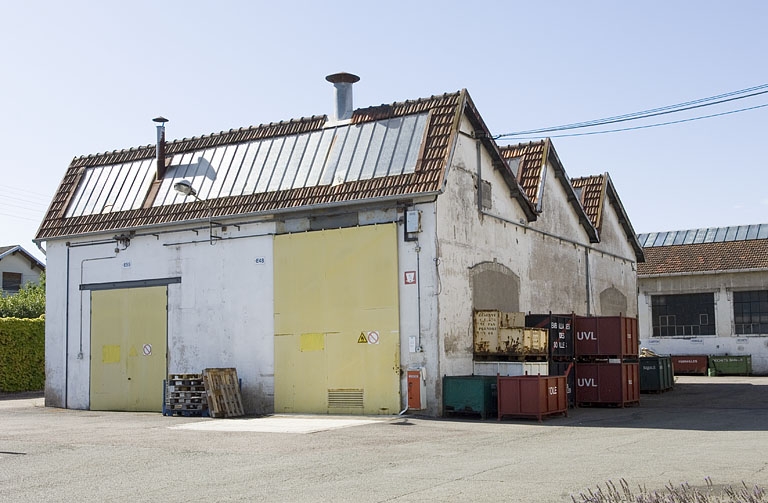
(613, 302)
(495, 286)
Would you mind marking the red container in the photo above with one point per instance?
(690, 364)
(606, 336)
(532, 396)
(607, 383)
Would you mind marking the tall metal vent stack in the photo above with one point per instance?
(160, 146)
(343, 83)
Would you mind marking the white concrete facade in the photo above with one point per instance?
(725, 341)
(220, 314)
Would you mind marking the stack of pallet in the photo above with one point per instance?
(185, 395)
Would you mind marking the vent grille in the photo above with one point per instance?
(345, 398)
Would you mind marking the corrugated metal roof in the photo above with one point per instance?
(705, 235)
(384, 151)
(705, 257)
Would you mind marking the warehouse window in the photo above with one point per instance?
(683, 315)
(11, 282)
(750, 312)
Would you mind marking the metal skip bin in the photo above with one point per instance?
(656, 374)
(607, 384)
(606, 336)
(558, 368)
(531, 396)
(730, 365)
(690, 364)
(560, 333)
(469, 395)
(525, 342)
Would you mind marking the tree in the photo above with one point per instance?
(28, 302)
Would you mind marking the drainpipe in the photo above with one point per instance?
(479, 149)
(589, 300)
(66, 338)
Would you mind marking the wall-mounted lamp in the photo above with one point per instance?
(185, 188)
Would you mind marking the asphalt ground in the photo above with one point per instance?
(707, 427)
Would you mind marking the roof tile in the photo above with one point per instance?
(705, 257)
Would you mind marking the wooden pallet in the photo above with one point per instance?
(223, 392)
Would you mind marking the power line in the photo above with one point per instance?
(680, 107)
(28, 192)
(20, 217)
(647, 125)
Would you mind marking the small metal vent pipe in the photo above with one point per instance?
(160, 152)
(343, 84)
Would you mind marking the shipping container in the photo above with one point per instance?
(730, 365)
(524, 342)
(469, 395)
(510, 368)
(560, 327)
(607, 383)
(532, 396)
(486, 332)
(605, 336)
(690, 364)
(656, 374)
(559, 368)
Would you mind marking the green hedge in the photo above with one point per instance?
(22, 354)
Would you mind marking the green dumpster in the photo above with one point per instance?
(656, 374)
(470, 395)
(730, 365)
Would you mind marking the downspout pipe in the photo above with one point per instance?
(66, 338)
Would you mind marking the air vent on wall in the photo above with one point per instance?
(345, 398)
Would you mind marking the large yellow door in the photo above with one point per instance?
(128, 348)
(337, 340)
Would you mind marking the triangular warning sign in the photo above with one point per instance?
(362, 339)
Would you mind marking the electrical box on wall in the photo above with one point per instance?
(417, 389)
(412, 221)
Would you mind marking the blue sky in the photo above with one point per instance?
(87, 77)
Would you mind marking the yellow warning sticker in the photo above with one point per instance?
(362, 339)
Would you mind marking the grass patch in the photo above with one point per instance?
(684, 493)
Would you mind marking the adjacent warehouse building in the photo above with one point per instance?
(705, 292)
(322, 257)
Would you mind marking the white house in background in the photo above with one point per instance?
(323, 258)
(17, 268)
(705, 292)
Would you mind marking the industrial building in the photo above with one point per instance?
(324, 258)
(705, 292)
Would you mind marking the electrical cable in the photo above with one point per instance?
(647, 125)
(689, 105)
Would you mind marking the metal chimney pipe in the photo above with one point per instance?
(343, 83)
(160, 150)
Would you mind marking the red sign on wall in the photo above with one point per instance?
(410, 277)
